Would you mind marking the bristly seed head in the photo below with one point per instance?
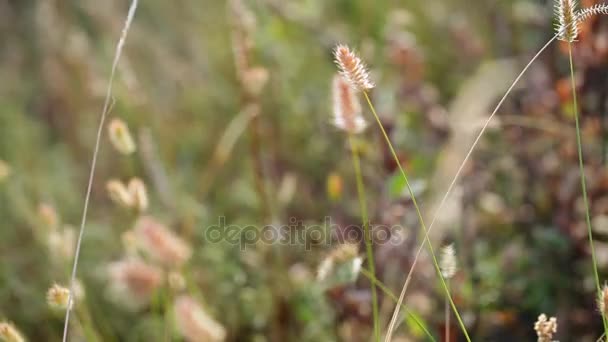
(567, 28)
(602, 301)
(347, 110)
(9, 333)
(58, 297)
(352, 68)
(447, 263)
(545, 328)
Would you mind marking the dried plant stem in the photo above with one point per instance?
(461, 167)
(392, 296)
(366, 232)
(106, 107)
(583, 182)
(426, 238)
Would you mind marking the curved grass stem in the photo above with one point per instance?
(426, 237)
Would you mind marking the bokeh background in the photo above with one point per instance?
(230, 106)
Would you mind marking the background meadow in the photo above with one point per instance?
(256, 147)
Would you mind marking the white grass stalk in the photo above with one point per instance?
(106, 107)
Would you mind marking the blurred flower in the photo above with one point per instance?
(48, 216)
(61, 244)
(57, 297)
(335, 186)
(9, 333)
(120, 137)
(447, 262)
(347, 110)
(133, 281)
(545, 328)
(352, 68)
(161, 243)
(5, 170)
(194, 324)
(119, 193)
(139, 196)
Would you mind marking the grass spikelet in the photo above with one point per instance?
(57, 297)
(119, 193)
(8, 333)
(347, 109)
(120, 137)
(161, 243)
(352, 68)
(602, 301)
(133, 282)
(567, 28)
(194, 324)
(545, 328)
(447, 262)
(138, 193)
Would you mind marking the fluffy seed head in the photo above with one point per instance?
(161, 243)
(119, 193)
(194, 324)
(58, 297)
(133, 281)
(602, 301)
(344, 253)
(567, 27)
(139, 195)
(8, 333)
(545, 328)
(347, 110)
(352, 68)
(447, 263)
(120, 137)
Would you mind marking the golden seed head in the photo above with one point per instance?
(347, 110)
(545, 328)
(120, 137)
(119, 193)
(58, 297)
(61, 244)
(8, 333)
(352, 68)
(567, 27)
(447, 263)
(194, 324)
(139, 195)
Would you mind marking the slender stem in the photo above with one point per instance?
(426, 236)
(366, 232)
(106, 107)
(583, 182)
(447, 319)
(392, 296)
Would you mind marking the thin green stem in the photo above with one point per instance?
(366, 232)
(583, 182)
(419, 213)
(392, 296)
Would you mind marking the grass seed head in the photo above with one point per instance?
(352, 68)
(567, 27)
(120, 137)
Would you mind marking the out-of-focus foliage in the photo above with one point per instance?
(213, 152)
